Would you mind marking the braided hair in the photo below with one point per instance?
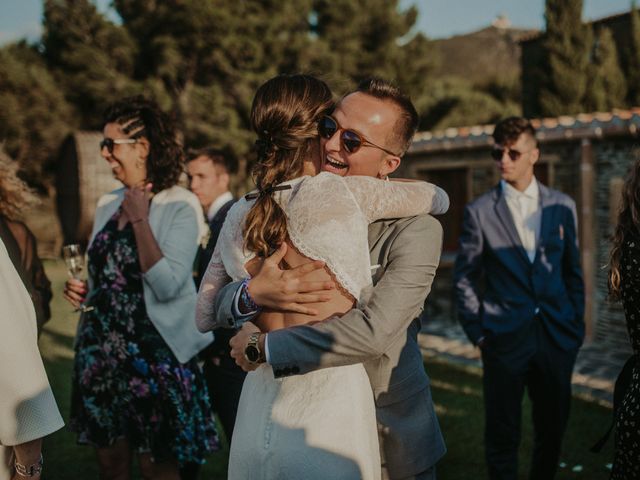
(284, 114)
(140, 117)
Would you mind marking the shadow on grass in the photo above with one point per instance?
(457, 391)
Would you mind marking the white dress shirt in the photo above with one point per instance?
(527, 214)
(217, 205)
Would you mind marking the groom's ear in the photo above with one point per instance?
(390, 164)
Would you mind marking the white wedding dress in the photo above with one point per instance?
(321, 425)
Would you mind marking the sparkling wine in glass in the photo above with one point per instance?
(74, 258)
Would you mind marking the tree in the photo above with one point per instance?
(633, 73)
(35, 117)
(92, 58)
(457, 102)
(210, 58)
(606, 87)
(567, 46)
(355, 39)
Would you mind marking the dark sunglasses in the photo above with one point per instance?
(350, 140)
(514, 155)
(110, 143)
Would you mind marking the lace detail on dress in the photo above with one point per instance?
(327, 219)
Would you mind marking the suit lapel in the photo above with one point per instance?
(547, 216)
(215, 225)
(376, 229)
(504, 214)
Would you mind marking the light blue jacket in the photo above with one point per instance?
(177, 223)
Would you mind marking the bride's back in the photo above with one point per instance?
(339, 303)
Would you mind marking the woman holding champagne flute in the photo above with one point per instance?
(136, 388)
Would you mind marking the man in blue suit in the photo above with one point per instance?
(520, 298)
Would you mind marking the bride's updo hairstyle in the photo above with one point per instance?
(284, 115)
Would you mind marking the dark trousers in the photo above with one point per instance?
(224, 382)
(545, 370)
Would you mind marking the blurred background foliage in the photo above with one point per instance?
(203, 61)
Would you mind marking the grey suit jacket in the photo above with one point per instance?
(382, 334)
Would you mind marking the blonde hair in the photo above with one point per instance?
(15, 195)
(285, 115)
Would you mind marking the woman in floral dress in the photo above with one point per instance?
(136, 387)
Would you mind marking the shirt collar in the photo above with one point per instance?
(532, 192)
(217, 204)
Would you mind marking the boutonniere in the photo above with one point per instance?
(204, 240)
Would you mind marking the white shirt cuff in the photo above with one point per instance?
(266, 348)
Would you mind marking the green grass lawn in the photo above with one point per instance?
(457, 392)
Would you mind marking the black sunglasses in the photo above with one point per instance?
(514, 155)
(111, 142)
(350, 140)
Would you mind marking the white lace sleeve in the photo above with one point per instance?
(214, 279)
(383, 199)
(226, 264)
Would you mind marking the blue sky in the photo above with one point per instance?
(438, 18)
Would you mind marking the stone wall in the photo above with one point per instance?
(612, 160)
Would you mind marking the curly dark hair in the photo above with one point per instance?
(141, 117)
(627, 226)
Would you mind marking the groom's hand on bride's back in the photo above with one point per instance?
(287, 290)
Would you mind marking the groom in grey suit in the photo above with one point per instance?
(381, 334)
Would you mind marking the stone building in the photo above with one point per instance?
(586, 156)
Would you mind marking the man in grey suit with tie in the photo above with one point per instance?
(520, 298)
(382, 334)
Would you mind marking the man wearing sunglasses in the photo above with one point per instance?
(367, 134)
(520, 298)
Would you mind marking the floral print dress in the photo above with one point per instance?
(126, 381)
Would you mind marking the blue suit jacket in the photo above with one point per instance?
(499, 290)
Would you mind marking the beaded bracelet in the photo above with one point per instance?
(29, 471)
(245, 296)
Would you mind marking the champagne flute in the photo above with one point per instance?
(74, 258)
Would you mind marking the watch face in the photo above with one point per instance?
(252, 353)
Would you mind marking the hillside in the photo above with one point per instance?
(483, 55)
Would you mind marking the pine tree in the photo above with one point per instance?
(210, 57)
(567, 47)
(35, 117)
(90, 56)
(359, 38)
(606, 87)
(633, 53)
(354, 39)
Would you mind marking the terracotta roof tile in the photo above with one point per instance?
(582, 125)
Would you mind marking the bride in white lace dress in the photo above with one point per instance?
(320, 425)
